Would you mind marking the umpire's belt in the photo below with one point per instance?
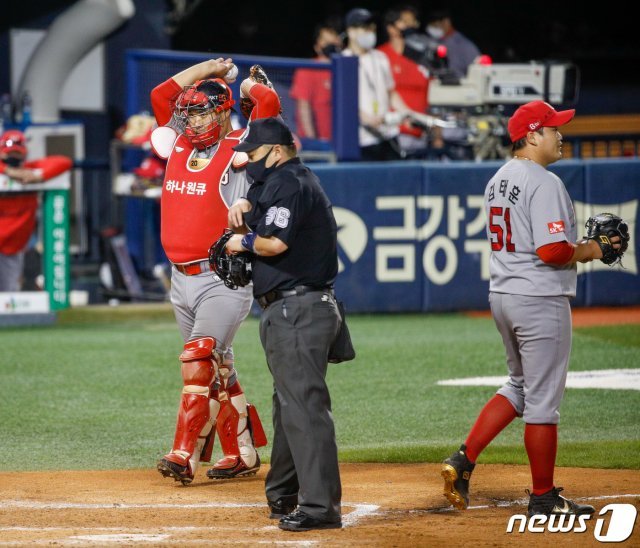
(275, 295)
(192, 269)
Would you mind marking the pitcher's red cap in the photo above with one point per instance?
(533, 116)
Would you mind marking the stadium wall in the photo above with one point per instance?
(412, 234)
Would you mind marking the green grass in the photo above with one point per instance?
(100, 390)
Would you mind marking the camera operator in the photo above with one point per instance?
(461, 51)
(411, 81)
(380, 107)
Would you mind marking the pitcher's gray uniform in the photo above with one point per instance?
(528, 207)
(531, 226)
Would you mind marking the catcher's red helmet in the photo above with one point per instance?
(13, 142)
(206, 98)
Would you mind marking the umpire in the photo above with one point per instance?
(293, 237)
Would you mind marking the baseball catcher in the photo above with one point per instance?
(233, 269)
(203, 177)
(603, 229)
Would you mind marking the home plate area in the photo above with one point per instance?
(383, 505)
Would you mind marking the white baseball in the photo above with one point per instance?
(232, 74)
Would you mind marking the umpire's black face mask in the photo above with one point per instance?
(258, 170)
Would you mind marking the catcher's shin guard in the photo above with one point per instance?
(198, 372)
(235, 423)
(204, 445)
(255, 426)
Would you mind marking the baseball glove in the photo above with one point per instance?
(233, 270)
(602, 228)
(257, 74)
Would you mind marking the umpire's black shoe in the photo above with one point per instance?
(552, 502)
(299, 521)
(282, 506)
(456, 471)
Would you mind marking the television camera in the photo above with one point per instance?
(480, 104)
(428, 52)
(482, 101)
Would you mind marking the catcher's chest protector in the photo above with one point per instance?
(192, 208)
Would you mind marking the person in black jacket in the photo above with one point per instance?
(293, 236)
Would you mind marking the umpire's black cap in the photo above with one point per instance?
(265, 131)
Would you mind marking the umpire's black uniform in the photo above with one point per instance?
(298, 324)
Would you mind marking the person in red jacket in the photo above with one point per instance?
(18, 210)
(311, 88)
(411, 79)
(203, 177)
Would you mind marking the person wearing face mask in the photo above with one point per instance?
(461, 51)
(411, 81)
(311, 88)
(380, 107)
(287, 222)
(203, 178)
(18, 210)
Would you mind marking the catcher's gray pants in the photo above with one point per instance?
(11, 271)
(296, 333)
(536, 332)
(205, 307)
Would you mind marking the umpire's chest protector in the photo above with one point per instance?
(193, 210)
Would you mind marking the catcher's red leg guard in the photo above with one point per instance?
(227, 423)
(255, 426)
(204, 445)
(198, 372)
(232, 424)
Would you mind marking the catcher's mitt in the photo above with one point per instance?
(602, 228)
(257, 74)
(233, 270)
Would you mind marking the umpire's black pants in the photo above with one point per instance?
(296, 333)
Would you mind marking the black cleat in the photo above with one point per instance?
(233, 469)
(456, 471)
(282, 506)
(552, 502)
(176, 471)
(300, 521)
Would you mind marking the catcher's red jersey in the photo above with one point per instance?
(193, 210)
(195, 199)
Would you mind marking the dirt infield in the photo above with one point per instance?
(383, 505)
(584, 317)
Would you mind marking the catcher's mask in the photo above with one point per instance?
(198, 107)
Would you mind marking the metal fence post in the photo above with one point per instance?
(345, 107)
